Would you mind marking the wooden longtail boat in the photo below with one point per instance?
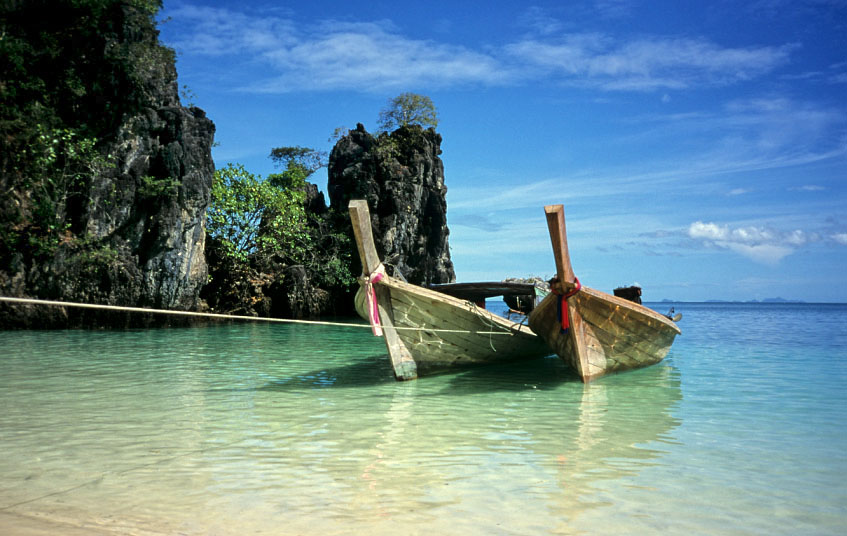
(427, 331)
(520, 297)
(606, 333)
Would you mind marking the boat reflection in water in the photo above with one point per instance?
(495, 445)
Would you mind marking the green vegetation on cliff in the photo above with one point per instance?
(254, 219)
(408, 109)
(104, 176)
(268, 253)
(106, 179)
(68, 81)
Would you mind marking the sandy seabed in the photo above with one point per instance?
(20, 525)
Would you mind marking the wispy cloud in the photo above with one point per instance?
(482, 222)
(370, 56)
(375, 55)
(835, 74)
(210, 31)
(331, 55)
(686, 173)
(539, 22)
(520, 196)
(650, 63)
(614, 9)
(807, 188)
(739, 191)
(760, 244)
(746, 135)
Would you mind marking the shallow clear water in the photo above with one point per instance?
(291, 429)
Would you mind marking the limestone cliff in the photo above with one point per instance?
(131, 229)
(402, 178)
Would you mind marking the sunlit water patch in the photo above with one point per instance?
(289, 429)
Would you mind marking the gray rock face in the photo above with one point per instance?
(136, 230)
(402, 178)
(144, 229)
(152, 210)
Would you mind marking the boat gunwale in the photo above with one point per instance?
(491, 288)
(632, 306)
(505, 323)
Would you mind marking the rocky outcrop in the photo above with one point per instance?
(135, 229)
(402, 178)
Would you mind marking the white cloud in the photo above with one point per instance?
(648, 63)
(212, 31)
(373, 56)
(369, 56)
(331, 55)
(797, 238)
(840, 238)
(708, 231)
(808, 188)
(763, 253)
(739, 191)
(760, 244)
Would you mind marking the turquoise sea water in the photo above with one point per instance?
(292, 429)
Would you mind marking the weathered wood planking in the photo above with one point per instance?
(475, 336)
(579, 355)
(607, 334)
(402, 361)
(416, 317)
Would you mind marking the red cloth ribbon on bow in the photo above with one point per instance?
(373, 310)
(562, 309)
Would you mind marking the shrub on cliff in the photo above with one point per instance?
(253, 219)
(268, 254)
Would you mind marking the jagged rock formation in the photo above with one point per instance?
(133, 232)
(402, 178)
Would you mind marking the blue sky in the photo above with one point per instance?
(699, 148)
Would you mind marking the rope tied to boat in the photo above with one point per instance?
(368, 281)
(562, 312)
(226, 317)
(476, 309)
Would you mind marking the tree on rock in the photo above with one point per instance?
(408, 109)
(305, 158)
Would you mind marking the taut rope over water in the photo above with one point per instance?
(218, 316)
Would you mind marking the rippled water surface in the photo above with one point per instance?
(292, 429)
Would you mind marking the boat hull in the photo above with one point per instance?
(614, 334)
(442, 332)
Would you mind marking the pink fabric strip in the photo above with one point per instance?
(373, 310)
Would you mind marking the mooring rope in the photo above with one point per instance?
(475, 309)
(218, 316)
